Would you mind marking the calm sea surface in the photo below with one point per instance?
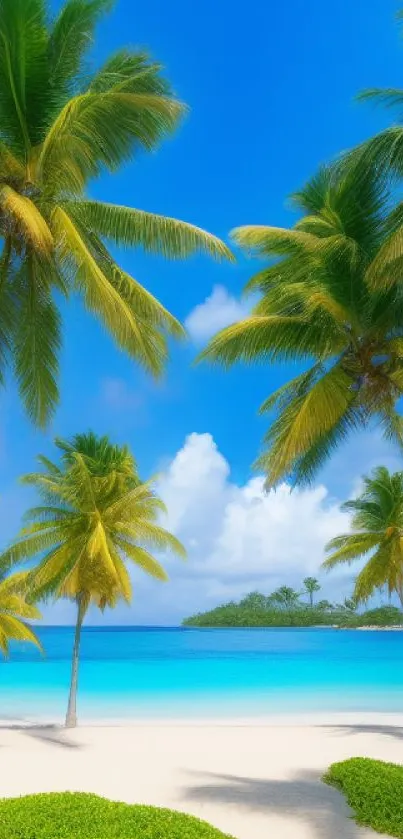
(130, 673)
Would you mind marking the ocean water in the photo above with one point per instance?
(130, 673)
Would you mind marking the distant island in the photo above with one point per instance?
(284, 607)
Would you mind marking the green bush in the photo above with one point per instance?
(383, 616)
(83, 816)
(374, 790)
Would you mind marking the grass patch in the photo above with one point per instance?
(85, 816)
(374, 791)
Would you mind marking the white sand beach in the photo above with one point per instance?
(254, 780)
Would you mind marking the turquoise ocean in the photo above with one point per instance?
(128, 673)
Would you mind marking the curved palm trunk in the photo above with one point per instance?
(71, 716)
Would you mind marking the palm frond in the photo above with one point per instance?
(143, 343)
(37, 341)
(142, 558)
(70, 38)
(156, 234)
(26, 216)
(304, 421)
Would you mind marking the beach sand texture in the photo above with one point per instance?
(254, 781)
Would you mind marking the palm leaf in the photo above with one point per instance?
(156, 234)
(23, 212)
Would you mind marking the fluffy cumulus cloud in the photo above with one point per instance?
(218, 310)
(238, 539)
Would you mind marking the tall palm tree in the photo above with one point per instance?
(61, 126)
(311, 586)
(323, 306)
(377, 533)
(96, 516)
(15, 610)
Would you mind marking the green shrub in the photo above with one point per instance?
(374, 790)
(83, 816)
(382, 616)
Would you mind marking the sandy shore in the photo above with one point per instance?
(254, 781)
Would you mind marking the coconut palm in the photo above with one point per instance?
(311, 586)
(61, 126)
(14, 609)
(96, 517)
(322, 307)
(376, 534)
(285, 597)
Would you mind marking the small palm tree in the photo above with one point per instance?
(324, 305)
(15, 610)
(96, 516)
(377, 533)
(285, 597)
(311, 586)
(61, 126)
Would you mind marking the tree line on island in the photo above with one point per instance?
(287, 607)
(330, 299)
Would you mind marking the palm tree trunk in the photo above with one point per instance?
(71, 716)
(311, 598)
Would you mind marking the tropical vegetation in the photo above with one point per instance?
(62, 124)
(323, 614)
(376, 535)
(284, 607)
(331, 302)
(96, 517)
(67, 815)
(373, 790)
(15, 610)
(311, 587)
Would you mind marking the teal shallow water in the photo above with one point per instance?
(130, 672)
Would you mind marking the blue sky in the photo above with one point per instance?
(271, 93)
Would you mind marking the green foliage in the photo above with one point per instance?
(258, 610)
(14, 608)
(85, 816)
(96, 517)
(373, 790)
(383, 616)
(62, 124)
(95, 513)
(329, 301)
(232, 615)
(376, 532)
(284, 598)
(311, 586)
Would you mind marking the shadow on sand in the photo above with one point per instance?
(304, 796)
(52, 735)
(386, 730)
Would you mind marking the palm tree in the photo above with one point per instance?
(14, 609)
(254, 601)
(285, 597)
(323, 306)
(386, 148)
(96, 516)
(311, 586)
(377, 533)
(62, 126)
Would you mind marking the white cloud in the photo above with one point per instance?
(238, 538)
(218, 310)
